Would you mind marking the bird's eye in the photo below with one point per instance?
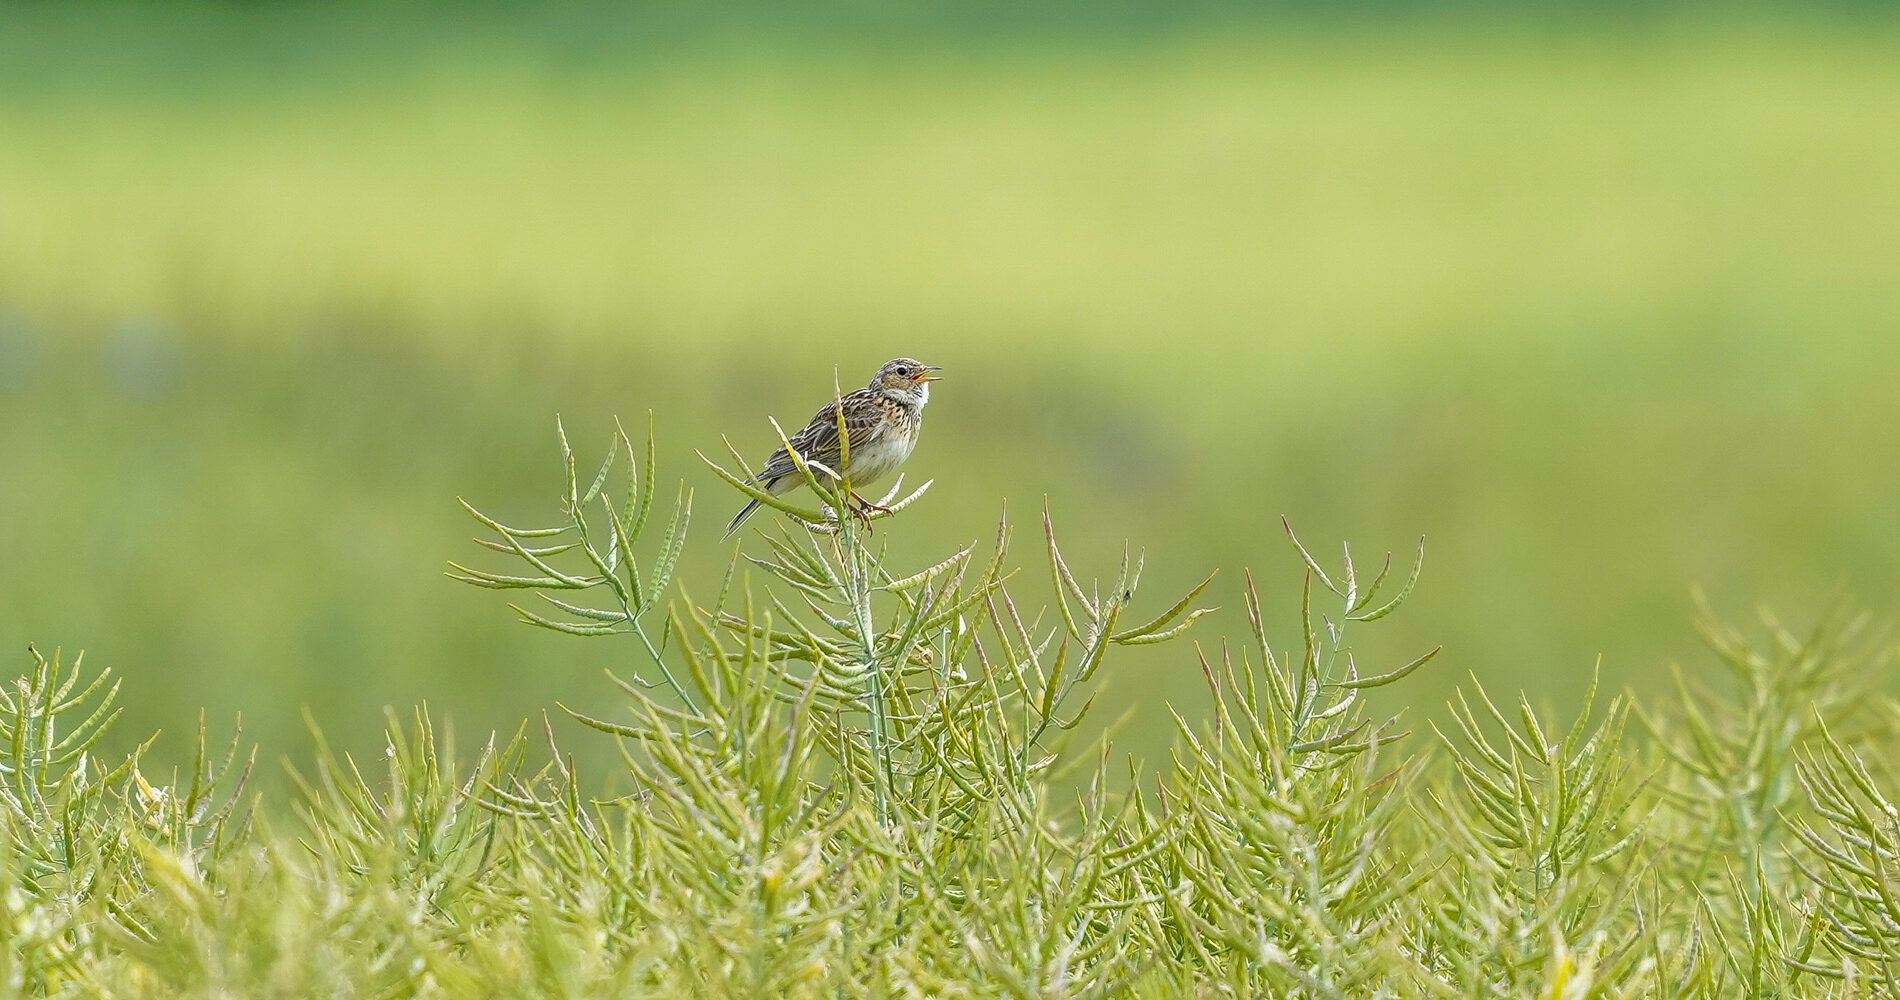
(903, 370)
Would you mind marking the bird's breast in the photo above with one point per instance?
(883, 453)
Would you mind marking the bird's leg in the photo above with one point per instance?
(862, 508)
(850, 506)
(866, 505)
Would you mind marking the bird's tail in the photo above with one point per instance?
(739, 519)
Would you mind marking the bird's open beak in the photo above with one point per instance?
(927, 377)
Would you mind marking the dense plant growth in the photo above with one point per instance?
(845, 778)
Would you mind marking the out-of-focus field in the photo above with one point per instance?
(1604, 310)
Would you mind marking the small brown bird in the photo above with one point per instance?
(882, 420)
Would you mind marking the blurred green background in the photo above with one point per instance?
(1604, 301)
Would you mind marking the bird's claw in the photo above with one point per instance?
(862, 509)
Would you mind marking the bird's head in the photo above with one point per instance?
(905, 379)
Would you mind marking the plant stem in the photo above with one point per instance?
(858, 579)
(685, 699)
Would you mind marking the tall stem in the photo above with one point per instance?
(858, 579)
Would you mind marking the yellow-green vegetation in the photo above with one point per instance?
(1605, 309)
(852, 777)
(1602, 306)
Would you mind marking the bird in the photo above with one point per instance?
(882, 421)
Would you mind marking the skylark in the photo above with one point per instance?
(882, 421)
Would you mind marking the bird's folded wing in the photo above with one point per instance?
(818, 441)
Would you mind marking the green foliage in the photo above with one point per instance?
(842, 777)
(1600, 308)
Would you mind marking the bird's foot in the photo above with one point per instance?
(862, 509)
(866, 505)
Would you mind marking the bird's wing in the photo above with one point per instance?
(818, 441)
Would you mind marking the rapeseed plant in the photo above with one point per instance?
(842, 777)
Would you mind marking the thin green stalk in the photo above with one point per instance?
(859, 583)
(671, 682)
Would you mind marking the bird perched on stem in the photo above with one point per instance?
(882, 421)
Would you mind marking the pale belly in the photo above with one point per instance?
(877, 459)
